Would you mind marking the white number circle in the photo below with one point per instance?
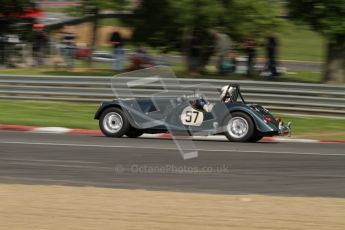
(192, 117)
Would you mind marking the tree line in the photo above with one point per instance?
(168, 24)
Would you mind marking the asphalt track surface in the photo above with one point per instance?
(292, 169)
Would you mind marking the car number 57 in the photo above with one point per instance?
(192, 117)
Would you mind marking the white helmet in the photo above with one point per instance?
(228, 93)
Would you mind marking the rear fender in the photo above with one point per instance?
(258, 119)
(115, 104)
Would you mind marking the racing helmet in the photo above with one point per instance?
(228, 93)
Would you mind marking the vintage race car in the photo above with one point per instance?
(230, 116)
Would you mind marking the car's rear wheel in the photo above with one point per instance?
(239, 127)
(256, 137)
(134, 133)
(113, 122)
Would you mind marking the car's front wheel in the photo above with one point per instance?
(239, 127)
(113, 122)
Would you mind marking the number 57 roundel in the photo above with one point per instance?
(192, 117)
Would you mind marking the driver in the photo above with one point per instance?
(202, 104)
(228, 93)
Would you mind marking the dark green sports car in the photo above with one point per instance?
(230, 116)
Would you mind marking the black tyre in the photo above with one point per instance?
(239, 127)
(256, 137)
(113, 122)
(134, 133)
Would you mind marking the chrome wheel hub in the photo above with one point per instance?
(113, 122)
(238, 127)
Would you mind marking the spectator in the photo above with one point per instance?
(230, 63)
(117, 41)
(68, 48)
(141, 59)
(271, 51)
(2, 50)
(194, 55)
(222, 48)
(39, 45)
(249, 47)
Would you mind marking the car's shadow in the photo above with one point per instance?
(263, 142)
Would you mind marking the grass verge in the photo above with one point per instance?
(43, 113)
(104, 70)
(301, 43)
(80, 115)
